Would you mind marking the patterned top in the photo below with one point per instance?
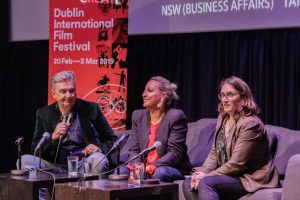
(221, 146)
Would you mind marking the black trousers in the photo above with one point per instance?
(214, 188)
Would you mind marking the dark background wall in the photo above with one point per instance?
(268, 60)
(23, 87)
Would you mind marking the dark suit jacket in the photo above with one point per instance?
(248, 154)
(171, 133)
(95, 128)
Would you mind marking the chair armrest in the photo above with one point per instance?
(291, 184)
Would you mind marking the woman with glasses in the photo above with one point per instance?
(239, 161)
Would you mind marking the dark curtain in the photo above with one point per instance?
(268, 60)
(23, 87)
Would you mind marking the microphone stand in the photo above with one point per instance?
(144, 179)
(19, 156)
(19, 171)
(118, 176)
(118, 159)
(144, 161)
(40, 159)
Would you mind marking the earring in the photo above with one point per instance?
(159, 105)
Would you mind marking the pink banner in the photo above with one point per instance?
(90, 38)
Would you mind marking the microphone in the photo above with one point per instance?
(117, 143)
(146, 151)
(149, 149)
(115, 146)
(19, 170)
(41, 143)
(116, 177)
(66, 118)
(19, 141)
(119, 176)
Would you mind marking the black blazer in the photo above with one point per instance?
(171, 133)
(94, 125)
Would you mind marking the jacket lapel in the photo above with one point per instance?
(53, 117)
(145, 130)
(218, 128)
(229, 141)
(161, 132)
(84, 120)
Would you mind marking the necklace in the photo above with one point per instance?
(158, 120)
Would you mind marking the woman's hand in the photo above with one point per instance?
(150, 169)
(195, 178)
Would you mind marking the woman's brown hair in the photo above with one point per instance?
(249, 107)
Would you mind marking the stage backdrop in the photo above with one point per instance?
(90, 38)
(178, 16)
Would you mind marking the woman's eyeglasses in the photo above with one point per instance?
(227, 96)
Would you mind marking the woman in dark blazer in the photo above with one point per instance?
(239, 161)
(159, 122)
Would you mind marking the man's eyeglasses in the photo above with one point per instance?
(227, 96)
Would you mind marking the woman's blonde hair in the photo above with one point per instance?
(168, 87)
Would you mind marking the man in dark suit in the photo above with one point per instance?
(76, 127)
